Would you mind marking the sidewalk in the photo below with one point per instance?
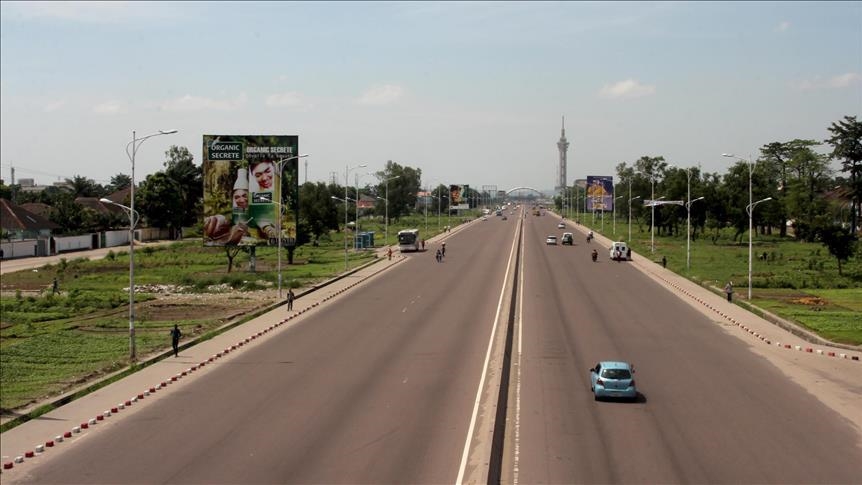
(73, 420)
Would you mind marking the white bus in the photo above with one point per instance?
(408, 240)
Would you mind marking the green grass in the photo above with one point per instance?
(52, 343)
(780, 283)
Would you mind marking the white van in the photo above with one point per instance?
(619, 250)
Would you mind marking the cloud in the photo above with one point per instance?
(108, 108)
(629, 88)
(784, 26)
(89, 12)
(381, 95)
(844, 80)
(196, 103)
(52, 106)
(835, 82)
(288, 100)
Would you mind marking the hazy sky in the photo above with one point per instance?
(467, 92)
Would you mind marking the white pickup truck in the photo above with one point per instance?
(619, 251)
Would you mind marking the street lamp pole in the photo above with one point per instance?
(134, 145)
(347, 170)
(615, 210)
(630, 214)
(750, 210)
(278, 164)
(386, 225)
(688, 231)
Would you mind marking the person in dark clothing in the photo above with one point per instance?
(728, 288)
(439, 256)
(663, 262)
(175, 339)
(290, 298)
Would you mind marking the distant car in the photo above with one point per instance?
(551, 241)
(568, 238)
(561, 225)
(613, 379)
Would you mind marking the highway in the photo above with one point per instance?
(396, 381)
(377, 386)
(711, 411)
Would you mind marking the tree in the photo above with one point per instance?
(808, 179)
(119, 182)
(402, 190)
(160, 201)
(84, 187)
(846, 144)
(318, 212)
(181, 168)
(840, 242)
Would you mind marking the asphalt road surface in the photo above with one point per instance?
(377, 386)
(710, 411)
(387, 384)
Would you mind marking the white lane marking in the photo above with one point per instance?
(520, 323)
(478, 399)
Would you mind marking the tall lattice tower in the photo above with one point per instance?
(563, 146)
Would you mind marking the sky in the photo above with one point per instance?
(469, 93)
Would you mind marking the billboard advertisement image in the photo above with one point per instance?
(600, 193)
(248, 181)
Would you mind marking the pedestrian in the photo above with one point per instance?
(663, 262)
(728, 288)
(290, 298)
(423, 245)
(439, 256)
(175, 339)
(443, 249)
(389, 253)
(55, 287)
(629, 254)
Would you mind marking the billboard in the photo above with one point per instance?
(600, 193)
(455, 195)
(248, 180)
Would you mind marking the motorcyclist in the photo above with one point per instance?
(595, 255)
(589, 236)
(443, 248)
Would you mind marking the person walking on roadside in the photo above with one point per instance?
(443, 249)
(728, 289)
(423, 245)
(389, 253)
(290, 298)
(439, 256)
(175, 339)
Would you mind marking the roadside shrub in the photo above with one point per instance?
(111, 256)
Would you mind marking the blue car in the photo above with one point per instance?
(613, 379)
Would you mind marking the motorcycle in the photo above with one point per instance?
(595, 255)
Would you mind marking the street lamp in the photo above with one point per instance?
(386, 181)
(278, 164)
(615, 211)
(345, 224)
(688, 231)
(134, 145)
(750, 210)
(630, 213)
(347, 170)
